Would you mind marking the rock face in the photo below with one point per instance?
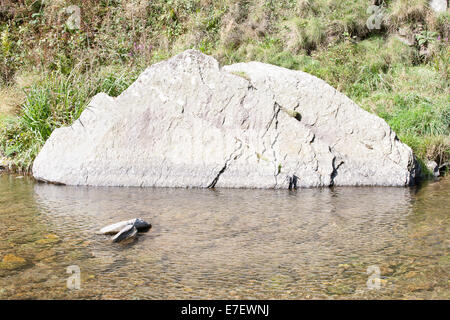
(186, 122)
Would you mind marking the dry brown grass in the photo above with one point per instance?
(10, 100)
(408, 11)
(300, 35)
(13, 96)
(438, 148)
(135, 9)
(243, 22)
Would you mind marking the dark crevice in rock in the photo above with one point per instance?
(277, 166)
(235, 155)
(293, 182)
(415, 171)
(276, 110)
(244, 120)
(241, 102)
(335, 171)
(293, 113)
(214, 182)
(201, 74)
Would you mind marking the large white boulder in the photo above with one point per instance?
(186, 122)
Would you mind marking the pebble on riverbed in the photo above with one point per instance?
(48, 239)
(12, 262)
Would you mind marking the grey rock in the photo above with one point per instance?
(115, 227)
(140, 225)
(3, 164)
(438, 5)
(129, 232)
(186, 122)
(433, 167)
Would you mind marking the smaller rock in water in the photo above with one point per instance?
(141, 226)
(12, 262)
(433, 167)
(116, 227)
(128, 233)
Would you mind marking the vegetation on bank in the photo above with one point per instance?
(49, 70)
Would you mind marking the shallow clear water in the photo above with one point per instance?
(205, 244)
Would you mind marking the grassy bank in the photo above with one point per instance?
(50, 70)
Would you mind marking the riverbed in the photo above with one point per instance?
(328, 243)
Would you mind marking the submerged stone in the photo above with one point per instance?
(48, 239)
(45, 254)
(12, 262)
(186, 122)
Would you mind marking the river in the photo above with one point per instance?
(225, 244)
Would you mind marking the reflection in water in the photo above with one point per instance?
(309, 243)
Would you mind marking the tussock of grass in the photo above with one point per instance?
(303, 34)
(417, 107)
(408, 11)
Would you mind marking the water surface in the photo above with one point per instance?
(225, 244)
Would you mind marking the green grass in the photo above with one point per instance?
(408, 86)
(56, 100)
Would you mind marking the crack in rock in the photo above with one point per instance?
(276, 111)
(232, 157)
(334, 173)
(216, 179)
(293, 182)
